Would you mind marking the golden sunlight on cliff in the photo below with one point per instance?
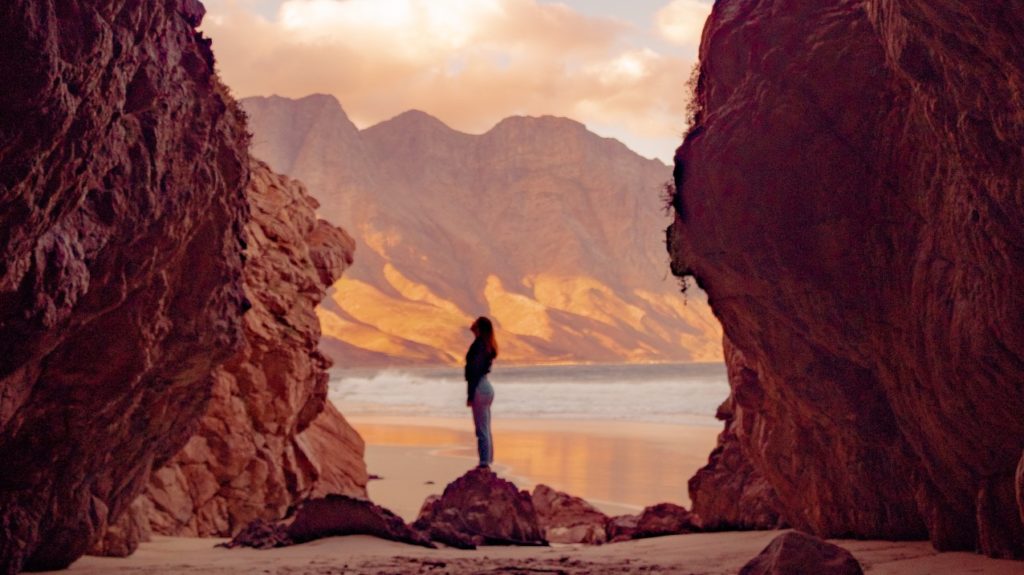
(413, 324)
(517, 313)
(369, 338)
(422, 322)
(704, 342)
(413, 291)
(587, 297)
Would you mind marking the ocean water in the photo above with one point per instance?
(661, 393)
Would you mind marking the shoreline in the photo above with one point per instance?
(619, 467)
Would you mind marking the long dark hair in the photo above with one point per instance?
(484, 330)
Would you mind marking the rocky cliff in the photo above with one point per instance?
(550, 229)
(122, 171)
(850, 198)
(269, 438)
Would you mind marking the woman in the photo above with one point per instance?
(478, 364)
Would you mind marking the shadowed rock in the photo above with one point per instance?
(621, 527)
(850, 200)
(1020, 488)
(330, 516)
(122, 169)
(568, 519)
(269, 438)
(123, 537)
(480, 508)
(796, 553)
(261, 534)
(729, 492)
(654, 521)
(343, 515)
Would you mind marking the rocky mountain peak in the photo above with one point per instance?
(548, 227)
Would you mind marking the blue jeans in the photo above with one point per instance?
(482, 399)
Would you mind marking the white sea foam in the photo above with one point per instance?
(685, 393)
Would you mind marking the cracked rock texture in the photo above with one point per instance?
(850, 198)
(122, 170)
(269, 439)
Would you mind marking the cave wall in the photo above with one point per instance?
(269, 438)
(850, 198)
(123, 166)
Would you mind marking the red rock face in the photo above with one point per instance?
(122, 170)
(851, 198)
(267, 441)
(729, 492)
(480, 508)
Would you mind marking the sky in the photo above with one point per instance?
(618, 66)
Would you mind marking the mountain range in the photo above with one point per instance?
(548, 228)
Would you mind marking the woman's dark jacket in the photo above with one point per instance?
(478, 364)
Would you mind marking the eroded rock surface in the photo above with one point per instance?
(268, 439)
(850, 198)
(123, 537)
(122, 171)
(480, 508)
(565, 518)
(795, 553)
(729, 492)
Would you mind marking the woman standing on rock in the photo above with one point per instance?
(478, 364)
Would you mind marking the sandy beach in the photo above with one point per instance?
(416, 458)
(696, 554)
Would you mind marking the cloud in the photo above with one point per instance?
(468, 62)
(682, 21)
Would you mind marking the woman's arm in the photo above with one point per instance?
(472, 371)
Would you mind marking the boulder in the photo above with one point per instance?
(480, 508)
(665, 519)
(330, 516)
(622, 527)
(796, 553)
(654, 521)
(343, 515)
(568, 519)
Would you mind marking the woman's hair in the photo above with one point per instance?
(485, 332)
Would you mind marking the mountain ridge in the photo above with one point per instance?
(549, 228)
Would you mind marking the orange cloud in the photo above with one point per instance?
(468, 62)
(682, 21)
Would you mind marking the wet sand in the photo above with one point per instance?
(620, 467)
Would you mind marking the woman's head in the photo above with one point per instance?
(483, 329)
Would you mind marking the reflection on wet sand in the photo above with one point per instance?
(635, 465)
